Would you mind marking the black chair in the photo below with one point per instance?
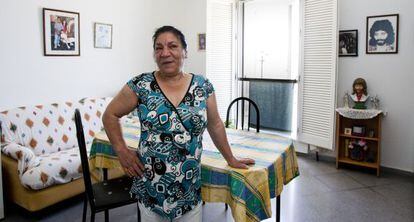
(104, 195)
(250, 102)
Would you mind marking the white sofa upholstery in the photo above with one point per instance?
(43, 140)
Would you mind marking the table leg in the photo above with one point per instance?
(105, 173)
(278, 208)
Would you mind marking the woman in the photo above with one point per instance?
(174, 108)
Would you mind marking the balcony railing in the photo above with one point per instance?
(274, 98)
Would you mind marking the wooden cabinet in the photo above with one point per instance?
(365, 149)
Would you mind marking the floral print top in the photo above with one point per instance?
(170, 145)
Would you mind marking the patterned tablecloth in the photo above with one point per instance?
(248, 192)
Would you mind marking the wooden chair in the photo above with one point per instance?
(105, 195)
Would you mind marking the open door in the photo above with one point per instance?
(317, 81)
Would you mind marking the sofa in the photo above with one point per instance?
(40, 154)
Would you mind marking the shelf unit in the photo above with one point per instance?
(373, 143)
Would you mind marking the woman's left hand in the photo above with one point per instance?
(241, 163)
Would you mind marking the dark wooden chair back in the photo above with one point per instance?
(84, 157)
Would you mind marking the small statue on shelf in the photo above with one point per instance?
(375, 102)
(346, 100)
(359, 93)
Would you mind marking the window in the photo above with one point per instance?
(273, 47)
(219, 51)
(271, 39)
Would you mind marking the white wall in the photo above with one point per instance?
(28, 77)
(189, 16)
(390, 76)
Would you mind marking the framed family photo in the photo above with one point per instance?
(382, 34)
(103, 35)
(348, 43)
(60, 33)
(202, 41)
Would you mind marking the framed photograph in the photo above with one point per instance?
(61, 33)
(382, 34)
(103, 35)
(358, 131)
(202, 41)
(348, 131)
(348, 43)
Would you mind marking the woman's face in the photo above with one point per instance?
(169, 53)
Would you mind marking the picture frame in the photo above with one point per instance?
(103, 35)
(358, 131)
(348, 131)
(61, 33)
(382, 34)
(202, 41)
(348, 43)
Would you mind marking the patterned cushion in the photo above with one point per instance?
(92, 111)
(44, 128)
(43, 139)
(56, 168)
(50, 128)
(25, 157)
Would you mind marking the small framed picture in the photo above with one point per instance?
(60, 33)
(348, 43)
(103, 35)
(382, 34)
(348, 131)
(202, 41)
(358, 130)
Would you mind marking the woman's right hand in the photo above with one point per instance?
(130, 163)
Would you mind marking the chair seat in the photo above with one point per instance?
(113, 193)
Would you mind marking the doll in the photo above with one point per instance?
(359, 93)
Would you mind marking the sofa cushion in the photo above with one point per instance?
(50, 128)
(92, 110)
(43, 128)
(43, 139)
(55, 168)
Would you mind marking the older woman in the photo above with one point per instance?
(174, 108)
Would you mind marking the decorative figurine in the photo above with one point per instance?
(359, 93)
(346, 100)
(375, 102)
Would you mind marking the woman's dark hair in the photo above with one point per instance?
(172, 30)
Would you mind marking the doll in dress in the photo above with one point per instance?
(359, 93)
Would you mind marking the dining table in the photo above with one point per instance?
(248, 192)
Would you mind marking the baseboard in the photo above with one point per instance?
(332, 159)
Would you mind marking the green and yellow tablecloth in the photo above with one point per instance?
(248, 192)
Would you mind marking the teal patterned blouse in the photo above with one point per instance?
(170, 145)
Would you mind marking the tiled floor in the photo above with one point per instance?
(320, 193)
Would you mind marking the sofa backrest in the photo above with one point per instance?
(51, 128)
